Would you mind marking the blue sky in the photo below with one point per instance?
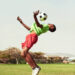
(60, 12)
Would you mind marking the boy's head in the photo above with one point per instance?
(52, 27)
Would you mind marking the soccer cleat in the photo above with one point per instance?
(36, 71)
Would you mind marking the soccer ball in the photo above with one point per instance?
(42, 16)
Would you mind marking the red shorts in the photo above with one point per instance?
(30, 40)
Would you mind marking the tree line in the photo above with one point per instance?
(12, 56)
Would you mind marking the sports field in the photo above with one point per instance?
(47, 69)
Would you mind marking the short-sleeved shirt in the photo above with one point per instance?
(39, 30)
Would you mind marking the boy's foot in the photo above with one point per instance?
(36, 71)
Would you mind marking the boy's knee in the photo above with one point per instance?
(24, 52)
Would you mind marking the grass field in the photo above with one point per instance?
(47, 69)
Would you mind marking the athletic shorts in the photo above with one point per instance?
(30, 40)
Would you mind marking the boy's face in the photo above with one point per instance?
(51, 26)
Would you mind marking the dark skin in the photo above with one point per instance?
(51, 26)
(20, 20)
(35, 18)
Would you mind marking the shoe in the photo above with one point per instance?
(36, 71)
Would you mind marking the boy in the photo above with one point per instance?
(35, 30)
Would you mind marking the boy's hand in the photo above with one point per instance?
(36, 13)
(19, 19)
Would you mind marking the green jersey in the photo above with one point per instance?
(39, 30)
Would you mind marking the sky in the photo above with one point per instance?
(60, 12)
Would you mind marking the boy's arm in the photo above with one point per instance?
(36, 20)
(19, 19)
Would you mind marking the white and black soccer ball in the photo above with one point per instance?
(42, 16)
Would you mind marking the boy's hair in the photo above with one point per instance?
(54, 29)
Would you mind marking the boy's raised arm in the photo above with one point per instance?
(36, 20)
(20, 20)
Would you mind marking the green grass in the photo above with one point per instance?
(47, 69)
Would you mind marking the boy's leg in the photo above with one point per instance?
(30, 40)
(30, 61)
(28, 58)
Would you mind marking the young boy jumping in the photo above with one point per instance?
(35, 30)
